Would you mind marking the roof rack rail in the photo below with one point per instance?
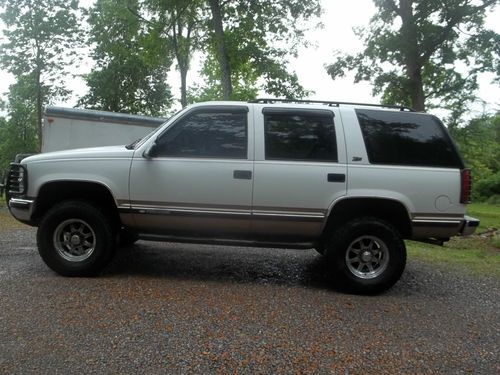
(328, 103)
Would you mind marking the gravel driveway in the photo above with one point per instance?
(175, 308)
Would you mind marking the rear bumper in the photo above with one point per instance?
(443, 227)
(469, 226)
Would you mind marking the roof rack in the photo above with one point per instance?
(328, 103)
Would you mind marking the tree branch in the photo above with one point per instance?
(394, 7)
(129, 7)
(453, 22)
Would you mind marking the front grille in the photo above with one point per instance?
(16, 181)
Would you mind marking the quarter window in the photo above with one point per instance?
(404, 138)
(300, 137)
(206, 135)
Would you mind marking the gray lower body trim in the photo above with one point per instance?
(438, 227)
(224, 221)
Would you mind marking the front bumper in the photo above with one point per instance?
(21, 209)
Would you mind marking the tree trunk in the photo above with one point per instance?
(222, 56)
(417, 88)
(39, 109)
(182, 49)
(183, 70)
(412, 56)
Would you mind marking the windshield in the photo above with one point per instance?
(139, 142)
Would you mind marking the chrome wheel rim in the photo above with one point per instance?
(74, 240)
(367, 257)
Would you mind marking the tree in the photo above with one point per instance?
(18, 133)
(132, 62)
(250, 41)
(479, 144)
(412, 49)
(221, 48)
(245, 43)
(178, 22)
(41, 36)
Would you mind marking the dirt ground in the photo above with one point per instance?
(175, 308)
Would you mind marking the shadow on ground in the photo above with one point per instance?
(219, 263)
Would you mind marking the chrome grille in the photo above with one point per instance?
(16, 181)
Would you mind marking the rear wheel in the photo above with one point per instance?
(366, 256)
(76, 238)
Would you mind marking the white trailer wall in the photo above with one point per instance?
(68, 128)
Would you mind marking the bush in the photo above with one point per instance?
(494, 199)
(488, 189)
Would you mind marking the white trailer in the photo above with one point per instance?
(69, 128)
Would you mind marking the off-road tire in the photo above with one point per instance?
(103, 238)
(343, 240)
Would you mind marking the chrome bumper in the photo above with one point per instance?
(469, 226)
(21, 209)
(443, 227)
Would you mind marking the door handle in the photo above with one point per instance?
(242, 175)
(336, 177)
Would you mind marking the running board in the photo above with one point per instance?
(226, 242)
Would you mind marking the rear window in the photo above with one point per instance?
(404, 138)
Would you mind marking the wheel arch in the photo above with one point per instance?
(387, 209)
(56, 191)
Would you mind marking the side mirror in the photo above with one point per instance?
(151, 151)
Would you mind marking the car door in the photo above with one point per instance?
(300, 169)
(197, 181)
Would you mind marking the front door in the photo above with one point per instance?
(198, 180)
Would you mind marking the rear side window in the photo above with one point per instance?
(300, 136)
(206, 135)
(404, 138)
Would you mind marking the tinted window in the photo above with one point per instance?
(206, 135)
(307, 137)
(406, 139)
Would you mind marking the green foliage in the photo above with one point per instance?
(488, 189)
(412, 48)
(260, 36)
(178, 22)
(18, 133)
(479, 144)
(132, 62)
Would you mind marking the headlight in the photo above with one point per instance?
(20, 180)
(17, 179)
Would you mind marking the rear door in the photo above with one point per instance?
(300, 169)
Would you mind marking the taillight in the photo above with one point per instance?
(465, 186)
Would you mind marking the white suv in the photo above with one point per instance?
(350, 180)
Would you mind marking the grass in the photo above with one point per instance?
(7, 222)
(489, 214)
(479, 255)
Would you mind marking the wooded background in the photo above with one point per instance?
(411, 50)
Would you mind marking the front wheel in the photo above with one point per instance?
(366, 256)
(76, 238)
